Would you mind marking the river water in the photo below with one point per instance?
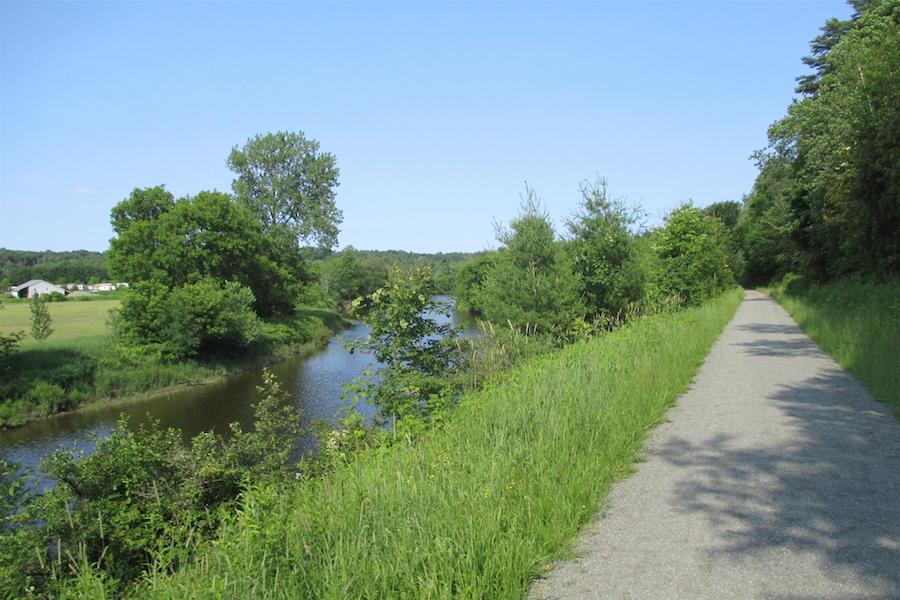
(314, 382)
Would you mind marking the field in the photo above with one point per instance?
(478, 508)
(76, 325)
(857, 323)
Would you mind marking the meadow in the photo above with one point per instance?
(856, 322)
(476, 509)
(76, 325)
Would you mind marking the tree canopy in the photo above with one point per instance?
(287, 182)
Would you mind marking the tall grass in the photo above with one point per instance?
(856, 322)
(478, 508)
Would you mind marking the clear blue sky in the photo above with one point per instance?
(437, 112)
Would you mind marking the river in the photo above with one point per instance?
(314, 382)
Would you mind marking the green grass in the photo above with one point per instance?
(76, 325)
(479, 508)
(857, 323)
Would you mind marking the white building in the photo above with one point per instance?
(35, 287)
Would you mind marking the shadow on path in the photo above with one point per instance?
(833, 490)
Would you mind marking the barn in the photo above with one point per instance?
(35, 287)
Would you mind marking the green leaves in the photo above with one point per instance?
(41, 323)
(284, 179)
(695, 254)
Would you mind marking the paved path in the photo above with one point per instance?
(777, 476)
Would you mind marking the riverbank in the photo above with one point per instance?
(79, 371)
(479, 507)
(857, 323)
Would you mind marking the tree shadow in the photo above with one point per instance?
(834, 488)
(790, 340)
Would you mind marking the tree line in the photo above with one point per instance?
(826, 202)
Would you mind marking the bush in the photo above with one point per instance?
(142, 501)
(694, 256)
(199, 319)
(50, 398)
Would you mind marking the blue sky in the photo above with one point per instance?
(437, 112)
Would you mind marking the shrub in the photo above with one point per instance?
(532, 283)
(694, 256)
(199, 319)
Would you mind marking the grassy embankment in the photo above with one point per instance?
(78, 358)
(479, 508)
(858, 324)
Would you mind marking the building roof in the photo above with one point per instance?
(30, 283)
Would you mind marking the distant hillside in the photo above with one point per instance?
(77, 266)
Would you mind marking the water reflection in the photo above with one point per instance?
(315, 382)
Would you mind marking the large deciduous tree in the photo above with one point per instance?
(179, 242)
(288, 183)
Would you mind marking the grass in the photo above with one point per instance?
(856, 322)
(78, 358)
(474, 510)
(76, 325)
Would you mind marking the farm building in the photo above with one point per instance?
(35, 287)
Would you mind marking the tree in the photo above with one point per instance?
(604, 252)
(532, 282)
(419, 353)
(842, 145)
(40, 319)
(177, 242)
(468, 280)
(288, 183)
(694, 252)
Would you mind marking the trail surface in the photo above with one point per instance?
(776, 476)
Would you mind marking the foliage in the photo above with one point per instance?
(350, 274)
(694, 256)
(478, 507)
(287, 182)
(166, 242)
(842, 145)
(532, 283)
(419, 353)
(198, 319)
(857, 322)
(468, 280)
(142, 502)
(766, 226)
(41, 323)
(603, 251)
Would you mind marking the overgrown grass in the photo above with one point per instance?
(478, 508)
(856, 322)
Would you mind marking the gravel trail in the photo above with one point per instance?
(776, 476)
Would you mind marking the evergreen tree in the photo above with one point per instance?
(532, 282)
